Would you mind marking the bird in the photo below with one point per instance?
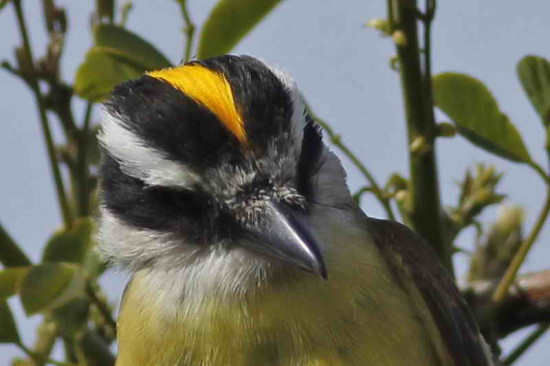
(244, 245)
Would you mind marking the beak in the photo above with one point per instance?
(285, 235)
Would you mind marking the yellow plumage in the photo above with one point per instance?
(358, 317)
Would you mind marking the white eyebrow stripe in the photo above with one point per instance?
(139, 160)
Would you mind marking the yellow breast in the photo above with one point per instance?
(303, 322)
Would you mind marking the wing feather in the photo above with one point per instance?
(411, 258)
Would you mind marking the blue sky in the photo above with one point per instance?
(342, 69)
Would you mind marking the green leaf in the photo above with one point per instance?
(229, 22)
(472, 107)
(130, 47)
(100, 73)
(8, 329)
(118, 55)
(73, 316)
(10, 279)
(50, 285)
(70, 245)
(534, 74)
(11, 254)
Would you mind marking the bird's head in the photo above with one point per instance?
(217, 153)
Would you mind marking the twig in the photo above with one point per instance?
(189, 30)
(510, 274)
(82, 164)
(427, 55)
(46, 336)
(39, 358)
(9, 68)
(69, 347)
(360, 192)
(33, 83)
(94, 349)
(101, 306)
(540, 171)
(526, 344)
(390, 10)
(336, 141)
(124, 12)
(527, 303)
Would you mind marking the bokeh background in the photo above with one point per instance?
(341, 66)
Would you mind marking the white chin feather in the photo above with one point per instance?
(198, 269)
(139, 160)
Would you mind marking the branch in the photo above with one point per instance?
(360, 192)
(46, 336)
(102, 307)
(428, 90)
(526, 303)
(526, 344)
(189, 29)
(540, 171)
(425, 204)
(9, 68)
(94, 350)
(82, 166)
(33, 83)
(39, 359)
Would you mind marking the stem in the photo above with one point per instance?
(39, 359)
(540, 171)
(521, 254)
(428, 89)
(526, 344)
(101, 306)
(336, 141)
(33, 83)
(125, 11)
(10, 253)
(82, 172)
(390, 10)
(425, 205)
(64, 113)
(527, 304)
(359, 194)
(68, 346)
(94, 350)
(47, 335)
(189, 29)
(9, 68)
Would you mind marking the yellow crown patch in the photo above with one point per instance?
(208, 88)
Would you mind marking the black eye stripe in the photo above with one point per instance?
(192, 214)
(191, 202)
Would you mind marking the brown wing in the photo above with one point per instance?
(411, 258)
